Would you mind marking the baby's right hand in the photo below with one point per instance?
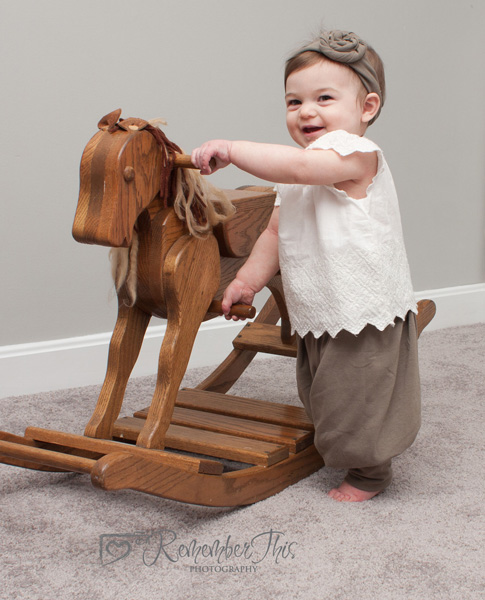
(236, 292)
(217, 151)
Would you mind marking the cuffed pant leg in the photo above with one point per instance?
(370, 479)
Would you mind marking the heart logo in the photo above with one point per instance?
(116, 550)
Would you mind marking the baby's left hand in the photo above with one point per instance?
(219, 150)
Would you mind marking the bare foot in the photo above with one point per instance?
(348, 493)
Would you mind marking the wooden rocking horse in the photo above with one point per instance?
(199, 445)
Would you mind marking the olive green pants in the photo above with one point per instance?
(362, 393)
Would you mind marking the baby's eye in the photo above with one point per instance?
(324, 98)
(293, 102)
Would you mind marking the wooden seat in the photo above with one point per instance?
(237, 236)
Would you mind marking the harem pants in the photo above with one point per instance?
(362, 393)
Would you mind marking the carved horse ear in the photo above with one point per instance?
(133, 124)
(109, 120)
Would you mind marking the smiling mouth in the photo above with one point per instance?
(309, 130)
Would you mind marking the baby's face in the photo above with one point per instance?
(323, 97)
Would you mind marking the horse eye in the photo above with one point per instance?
(129, 174)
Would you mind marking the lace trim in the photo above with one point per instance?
(348, 290)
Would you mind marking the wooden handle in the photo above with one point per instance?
(183, 161)
(243, 311)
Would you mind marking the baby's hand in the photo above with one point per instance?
(237, 291)
(219, 150)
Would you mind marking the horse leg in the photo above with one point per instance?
(124, 349)
(191, 275)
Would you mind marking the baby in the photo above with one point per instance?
(335, 234)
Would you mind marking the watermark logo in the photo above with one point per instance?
(221, 555)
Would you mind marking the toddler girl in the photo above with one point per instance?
(335, 235)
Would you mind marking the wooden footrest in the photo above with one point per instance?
(210, 443)
(245, 408)
(260, 337)
(242, 429)
(295, 439)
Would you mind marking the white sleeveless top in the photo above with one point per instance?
(342, 260)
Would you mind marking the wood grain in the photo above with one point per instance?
(243, 311)
(294, 439)
(124, 349)
(79, 442)
(264, 338)
(108, 205)
(237, 235)
(18, 462)
(426, 312)
(67, 462)
(191, 278)
(237, 488)
(245, 408)
(209, 443)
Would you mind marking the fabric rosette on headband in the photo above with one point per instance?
(340, 46)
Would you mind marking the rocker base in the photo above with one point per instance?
(272, 444)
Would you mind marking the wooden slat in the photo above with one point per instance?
(294, 439)
(66, 462)
(80, 442)
(246, 408)
(263, 338)
(208, 442)
(17, 462)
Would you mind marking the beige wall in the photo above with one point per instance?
(214, 69)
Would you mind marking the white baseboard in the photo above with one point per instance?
(456, 306)
(75, 362)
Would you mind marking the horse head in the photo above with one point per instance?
(119, 177)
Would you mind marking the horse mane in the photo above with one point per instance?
(195, 201)
(199, 203)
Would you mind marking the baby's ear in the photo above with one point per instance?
(371, 106)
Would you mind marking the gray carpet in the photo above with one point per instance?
(421, 539)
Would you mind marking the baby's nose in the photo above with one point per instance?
(308, 109)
